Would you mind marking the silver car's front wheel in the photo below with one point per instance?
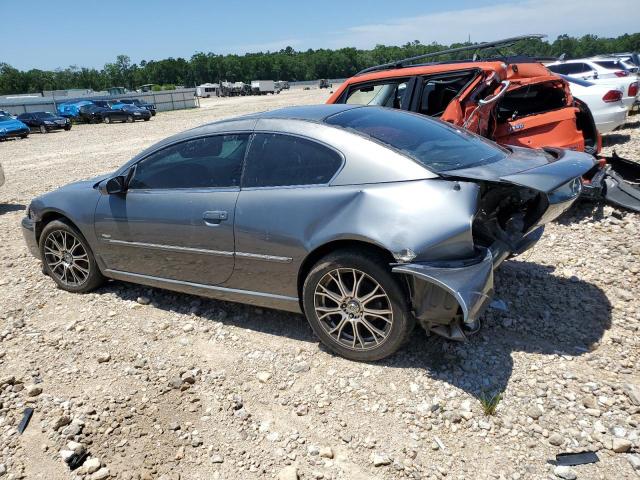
(356, 306)
(67, 258)
(353, 308)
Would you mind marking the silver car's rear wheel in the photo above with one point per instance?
(353, 309)
(66, 258)
(356, 306)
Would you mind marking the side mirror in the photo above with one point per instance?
(113, 185)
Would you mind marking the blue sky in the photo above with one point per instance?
(90, 33)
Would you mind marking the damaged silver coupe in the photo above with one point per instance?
(365, 219)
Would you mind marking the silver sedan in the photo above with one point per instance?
(365, 219)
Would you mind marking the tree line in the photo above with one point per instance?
(286, 64)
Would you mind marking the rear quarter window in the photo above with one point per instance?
(611, 64)
(277, 160)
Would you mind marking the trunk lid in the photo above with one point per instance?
(542, 170)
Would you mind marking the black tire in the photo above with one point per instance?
(107, 119)
(24, 135)
(376, 270)
(43, 129)
(129, 119)
(67, 128)
(146, 119)
(58, 229)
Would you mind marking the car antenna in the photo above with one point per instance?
(480, 46)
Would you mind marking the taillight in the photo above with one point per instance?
(633, 89)
(612, 96)
(622, 73)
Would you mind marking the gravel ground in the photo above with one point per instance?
(152, 384)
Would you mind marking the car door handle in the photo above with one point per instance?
(214, 217)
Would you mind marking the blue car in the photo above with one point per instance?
(72, 109)
(10, 128)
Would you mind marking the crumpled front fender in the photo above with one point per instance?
(470, 284)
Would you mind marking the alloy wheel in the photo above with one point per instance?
(66, 258)
(353, 308)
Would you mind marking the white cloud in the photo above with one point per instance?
(551, 17)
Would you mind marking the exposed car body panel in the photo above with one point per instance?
(471, 286)
(292, 223)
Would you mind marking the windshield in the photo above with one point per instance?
(43, 115)
(4, 118)
(89, 108)
(434, 144)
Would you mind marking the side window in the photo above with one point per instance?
(276, 160)
(559, 69)
(572, 68)
(206, 162)
(390, 94)
(437, 92)
(586, 67)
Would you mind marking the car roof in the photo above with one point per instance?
(311, 113)
(412, 70)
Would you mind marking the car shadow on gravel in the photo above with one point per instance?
(11, 207)
(264, 320)
(546, 315)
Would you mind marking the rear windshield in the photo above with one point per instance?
(434, 144)
(612, 64)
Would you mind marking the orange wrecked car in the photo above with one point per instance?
(511, 100)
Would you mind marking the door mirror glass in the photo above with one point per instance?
(114, 185)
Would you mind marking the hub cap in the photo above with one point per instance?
(353, 309)
(66, 258)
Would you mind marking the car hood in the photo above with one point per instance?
(540, 169)
(13, 124)
(83, 184)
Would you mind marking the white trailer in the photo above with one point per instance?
(207, 90)
(262, 87)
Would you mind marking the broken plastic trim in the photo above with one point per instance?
(621, 183)
(26, 417)
(471, 285)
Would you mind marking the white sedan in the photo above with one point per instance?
(604, 101)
